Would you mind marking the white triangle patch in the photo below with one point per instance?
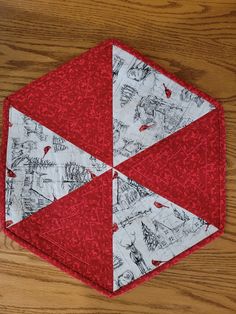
(42, 167)
(147, 106)
(148, 230)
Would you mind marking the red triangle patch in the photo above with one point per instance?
(184, 168)
(74, 101)
(77, 230)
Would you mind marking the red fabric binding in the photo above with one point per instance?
(84, 85)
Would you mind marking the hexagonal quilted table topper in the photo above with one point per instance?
(113, 169)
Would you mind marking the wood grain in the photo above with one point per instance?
(193, 39)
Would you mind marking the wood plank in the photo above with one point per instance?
(193, 39)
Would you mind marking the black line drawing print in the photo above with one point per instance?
(185, 95)
(161, 106)
(75, 175)
(204, 223)
(118, 129)
(150, 108)
(125, 278)
(127, 93)
(28, 200)
(97, 164)
(117, 261)
(142, 191)
(147, 108)
(117, 64)
(196, 225)
(127, 194)
(188, 96)
(40, 180)
(9, 194)
(174, 230)
(25, 146)
(35, 163)
(135, 255)
(58, 143)
(168, 229)
(131, 218)
(138, 71)
(211, 106)
(21, 151)
(32, 200)
(167, 233)
(173, 120)
(181, 215)
(155, 81)
(129, 148)
(33, 127)
(149, 238)
(199, 101)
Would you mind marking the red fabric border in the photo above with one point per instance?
(164, 266)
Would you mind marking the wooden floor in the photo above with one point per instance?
(193, 39)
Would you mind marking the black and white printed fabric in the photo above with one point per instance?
(144, 99)
(42, 167)
(150, 230)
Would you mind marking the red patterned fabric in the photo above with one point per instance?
(67, 99)
(76, 231)
(185, 168)
(75, 101)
